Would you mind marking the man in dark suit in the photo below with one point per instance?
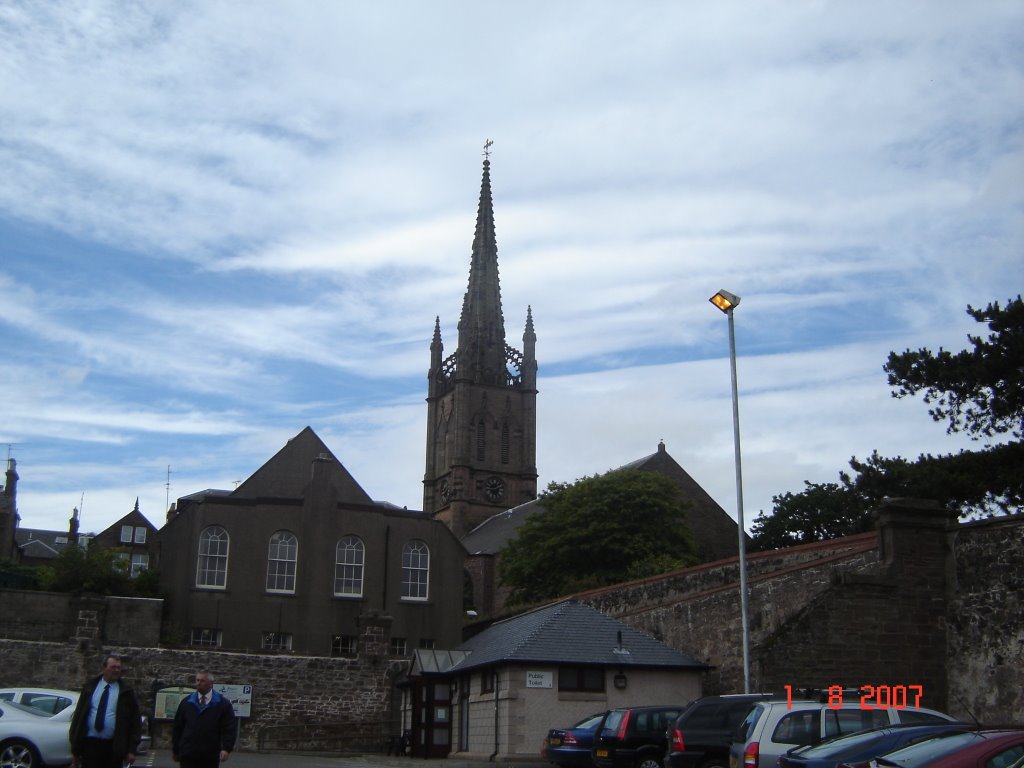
(106, 726)
(204, 727)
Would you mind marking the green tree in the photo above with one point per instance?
(979, 391)
(622, 525)
(101, 571)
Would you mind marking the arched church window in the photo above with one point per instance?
(348, 567)
(504, 443)
(282, 558)
(415, 570)
(212, 565)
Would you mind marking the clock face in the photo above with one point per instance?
(494, 487)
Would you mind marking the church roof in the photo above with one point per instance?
(289, 471)
(491, 535)
(569, 632)
(714, 531)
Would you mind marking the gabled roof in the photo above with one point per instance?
(569, 633)
(289, 471)
(714, 531)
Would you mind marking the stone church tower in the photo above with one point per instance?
(481, 400)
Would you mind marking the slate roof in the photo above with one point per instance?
(287, 473)
(569, 632)
(492, 534)
(37, 543)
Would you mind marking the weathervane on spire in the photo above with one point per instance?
(487, 149)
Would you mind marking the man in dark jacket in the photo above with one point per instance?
(106, 726)
(204, 727)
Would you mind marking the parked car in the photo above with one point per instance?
(979, 748)
(53, 701)
(772, 728)
(633, 737)
(864, 745)
(30, 737)
(570, 747)
(701, 735)
(48, 700)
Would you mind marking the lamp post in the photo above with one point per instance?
(727, 302)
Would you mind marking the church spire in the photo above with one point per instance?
(482, 324)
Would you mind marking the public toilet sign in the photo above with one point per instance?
(168, 699)
(538, 680)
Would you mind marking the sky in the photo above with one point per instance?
(221, 222)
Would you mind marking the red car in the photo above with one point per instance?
(1002, 748)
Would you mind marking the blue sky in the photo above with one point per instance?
(223, 221)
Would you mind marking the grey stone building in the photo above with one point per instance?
(299, 558)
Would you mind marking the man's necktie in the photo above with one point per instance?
(202, 701)
(101, 710)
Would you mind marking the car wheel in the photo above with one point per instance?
(648, 761)
(17, 753)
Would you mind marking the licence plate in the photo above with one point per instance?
(733, 761)
(601, 753)
(556, 743)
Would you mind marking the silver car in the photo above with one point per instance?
(30, 737)
(24, 749)
(772, 728)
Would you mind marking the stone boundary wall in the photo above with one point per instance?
(698, 610)
(34, 615)
(287, 690)
(909, 604)
(985, 651)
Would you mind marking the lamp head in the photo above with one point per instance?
(725, 301)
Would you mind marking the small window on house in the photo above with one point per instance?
(427, 643)
(126, 534)
(415, 570)
(589, 679)
(277, 641)
(212, 566)
(343, 645)
(281, 561)
(205, 637)
(487, 681)
(398, 646)
(140, 534)
(140, 563)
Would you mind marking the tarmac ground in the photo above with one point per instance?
(161, 758)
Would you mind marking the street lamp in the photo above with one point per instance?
(727, 302)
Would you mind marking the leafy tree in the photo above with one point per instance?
(979, 391)
(622, 525)
(101, 571)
